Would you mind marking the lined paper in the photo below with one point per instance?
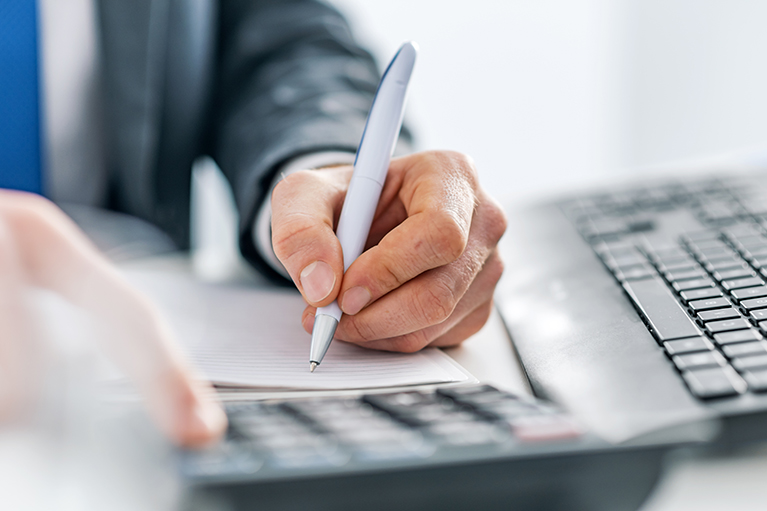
(240, 336)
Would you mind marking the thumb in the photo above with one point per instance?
(304, 207)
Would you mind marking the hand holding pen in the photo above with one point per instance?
(430, 263)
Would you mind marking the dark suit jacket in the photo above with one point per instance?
(252, 83)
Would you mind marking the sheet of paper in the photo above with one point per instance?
(252, 337)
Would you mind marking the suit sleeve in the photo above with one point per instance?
(291, 81)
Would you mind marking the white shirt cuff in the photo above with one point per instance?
(262, 227)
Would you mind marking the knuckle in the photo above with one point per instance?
(435, 303)
(467, 166)
(287, 235)
(279, 192)
(358, 331)
(297, 240)
(496, 220)
(464, 166)
(392, 274)
(456, 161)
(286, 185)
(448, 237)
(494, 266)
(410, 343)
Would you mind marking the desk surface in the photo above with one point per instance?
(693, 481)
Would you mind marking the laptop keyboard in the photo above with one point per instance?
(693, 260)
(280, 438)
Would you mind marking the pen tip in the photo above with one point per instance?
(312, 366)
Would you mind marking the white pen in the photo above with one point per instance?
(370, 167)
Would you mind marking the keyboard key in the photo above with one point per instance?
(222, 459)
(741, 231)
(472, 391)
(727, 325)
(699, 360)
(714, 303)
(670, 253)
(468, 433)
(635, 273)
(505, 410)
(746, 363)
(654, 198)
(698, 245)
(750, 292)
(757, 380)
(724, 264)
(759, 315)
(737, 336)
(695, 273)
(710, 254)
(691, 345)
(714, 382)
(713, 245)
(716, 254)
(749, 241)
(755, 253)
(716, 315)
(666, 317)
(603, 228)
(752, 248)
(699, 294)
(735, 273)
(745, 349)
(677, 265)
(413, 407)
(685, 285)
(741, 283)
(756, 303)
(305, 457)
(624, 260)
(698, 236)
(641, 224)
(545, 428)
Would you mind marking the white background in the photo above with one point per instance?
(549, 95)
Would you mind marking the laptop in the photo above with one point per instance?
(642, 309)
(638, 314)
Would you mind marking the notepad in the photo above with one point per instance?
(251, 337)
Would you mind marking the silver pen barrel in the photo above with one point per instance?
(322, 335)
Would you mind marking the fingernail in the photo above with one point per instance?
(354, 300)
(317, 280)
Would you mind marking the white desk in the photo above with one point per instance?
(693, 481)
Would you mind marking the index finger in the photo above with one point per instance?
(438, 191)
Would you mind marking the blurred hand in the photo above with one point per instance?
(41, 247)
(430, 267)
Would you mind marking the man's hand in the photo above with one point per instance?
(42, 247)
(430, 267)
